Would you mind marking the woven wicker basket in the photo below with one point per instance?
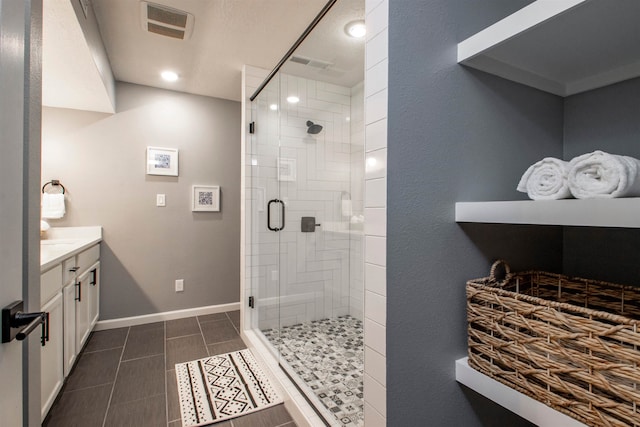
(570, 343)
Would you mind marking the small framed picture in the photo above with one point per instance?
(286, 169)
(162, 161)
(206, 198)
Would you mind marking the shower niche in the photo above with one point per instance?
(304, 240)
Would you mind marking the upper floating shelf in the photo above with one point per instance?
(624, 213)
(561, 46)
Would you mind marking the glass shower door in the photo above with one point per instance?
(266, 212)
(320, 334)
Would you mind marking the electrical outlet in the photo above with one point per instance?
(179, 285)
(161, 200)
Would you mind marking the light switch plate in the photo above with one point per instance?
(160, 200)
(180, 285)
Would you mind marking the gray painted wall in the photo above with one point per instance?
(607, 119)
(100, 158)
(455, 134)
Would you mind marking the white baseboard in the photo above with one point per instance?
(123, 322)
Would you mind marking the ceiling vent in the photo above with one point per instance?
(316, 63)
(166, 21)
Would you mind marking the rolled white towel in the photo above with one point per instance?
(601, 175)
(546, 180)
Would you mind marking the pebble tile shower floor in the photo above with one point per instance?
(125, 377)
(328, 355)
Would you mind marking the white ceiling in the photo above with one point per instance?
(329, 43)
(70, 76)
(227, 34)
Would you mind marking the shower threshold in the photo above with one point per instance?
(325, 359)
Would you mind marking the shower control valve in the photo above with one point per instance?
(308, 224)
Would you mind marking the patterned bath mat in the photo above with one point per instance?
(221, 387)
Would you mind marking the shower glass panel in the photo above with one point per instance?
(263, 247)
(305, 243)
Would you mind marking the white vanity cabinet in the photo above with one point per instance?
(93, 294)
(69, 297)
(52, 355)
(70, 293)
(82, 310)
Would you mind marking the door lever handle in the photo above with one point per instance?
(17, 324)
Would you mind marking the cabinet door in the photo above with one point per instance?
(52, 355)
(82, 310)
(69, 302)
(94, 295)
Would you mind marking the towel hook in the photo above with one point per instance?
(55, 183)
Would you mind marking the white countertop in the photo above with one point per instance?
(63, 242)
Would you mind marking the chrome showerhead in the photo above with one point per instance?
(312, 128)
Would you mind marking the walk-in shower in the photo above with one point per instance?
(304, 191)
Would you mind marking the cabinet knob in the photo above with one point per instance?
(74, 269)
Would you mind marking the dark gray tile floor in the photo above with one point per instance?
(126, 377)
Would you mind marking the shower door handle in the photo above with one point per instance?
(269, 214)
(276, 229)
(282, 206)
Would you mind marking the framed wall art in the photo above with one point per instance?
(162, 161)
(206, 198)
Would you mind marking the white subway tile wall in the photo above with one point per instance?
(376, 279)
(373, 417)
(377, 46)
(356, 207)
(376, 163)
(376, 83)
(376, 190)
(376, 395)
(376, 136)
(377, 365)
(376, 221)
(375, 252)
(377, 77)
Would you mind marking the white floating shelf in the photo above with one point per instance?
(624, 213)
(518, 403)
(560, 46)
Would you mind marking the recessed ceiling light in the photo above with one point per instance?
(356, 29)
(169, 76)
(293, 99)
(273, 107)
